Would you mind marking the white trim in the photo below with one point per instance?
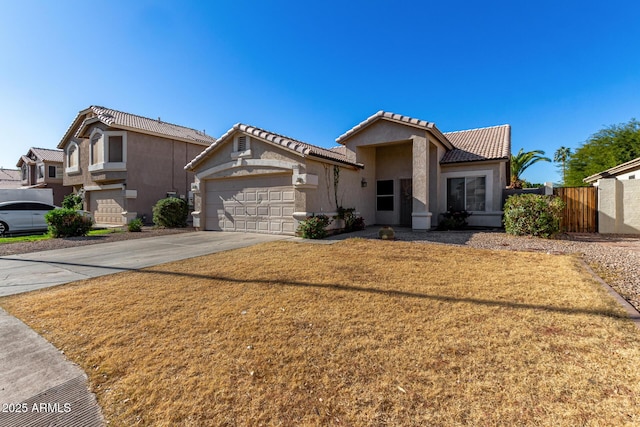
(488, 180)
(239, 163)
(103, 146)
(76, 154)
(104, 187)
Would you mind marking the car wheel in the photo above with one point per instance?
(4, 229)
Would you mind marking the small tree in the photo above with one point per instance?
(533, 215)
(170, 212)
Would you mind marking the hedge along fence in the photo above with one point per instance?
(533, 215)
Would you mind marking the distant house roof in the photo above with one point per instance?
(41, 154)
(490, 143)
(397, 118)
(127, 121)
(301, 148)
(629, 166)
(10, 178)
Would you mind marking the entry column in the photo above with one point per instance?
(420, 217)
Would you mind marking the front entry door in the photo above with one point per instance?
(406, 201)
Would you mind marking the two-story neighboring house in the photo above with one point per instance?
(42, 168)
(125, 163)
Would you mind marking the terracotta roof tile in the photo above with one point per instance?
(398, 118)
(10, 178)
(117, 119)
(490, 143)
(300, 147)
(48, 154)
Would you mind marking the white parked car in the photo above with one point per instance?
(20, 217)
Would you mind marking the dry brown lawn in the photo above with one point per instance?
(355, 333)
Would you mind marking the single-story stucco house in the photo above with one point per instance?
(618, 198)
(392, 169)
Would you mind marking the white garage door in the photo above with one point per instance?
(107, 206)
(262, 204)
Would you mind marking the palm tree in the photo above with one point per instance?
(521, 161)
(562, 155)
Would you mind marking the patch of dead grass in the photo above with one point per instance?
(355, 333)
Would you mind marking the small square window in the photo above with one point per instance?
(52, 171)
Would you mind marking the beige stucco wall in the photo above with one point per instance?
(154, 167)
(495, 172)
(619, 206)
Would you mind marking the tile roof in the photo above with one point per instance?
(48, 154)
(10, 178)
(629, 166)
(398, 118)
(302, 148)
(490, 143)
(122, 120)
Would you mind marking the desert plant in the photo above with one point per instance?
(72, 201)
(533, 215)
(170, 212)
(454, 220)
(314, 227)
(135, 225)
(68, 223)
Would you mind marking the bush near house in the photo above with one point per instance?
(533, 215)
(314, 227)
(170, 212)
(68, 223)
(72, 201)
(135, 225)
(454, 220)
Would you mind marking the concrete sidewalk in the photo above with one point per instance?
(39, 386)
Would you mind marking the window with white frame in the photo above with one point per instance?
(25, 171)
(108, 150)
(73, 157)
(466, 193)
(40, 171)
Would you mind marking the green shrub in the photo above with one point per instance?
(454, 220)
(351, 222)
(135, 225)
(314, 227)
(171, 212)
(72, 201)
(68, 223)
(533, 215)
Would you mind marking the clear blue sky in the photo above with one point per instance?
(557, 71)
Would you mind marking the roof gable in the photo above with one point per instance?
(41, 154)
(127, 121)
(490, 143)
(630, 166)
(396, 118)
(298, 147)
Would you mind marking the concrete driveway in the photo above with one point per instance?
(28, 272)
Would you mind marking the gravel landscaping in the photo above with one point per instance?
(614, 257)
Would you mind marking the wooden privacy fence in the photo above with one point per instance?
(581, 212)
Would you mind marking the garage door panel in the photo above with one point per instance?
(258, 204)
(107, 206)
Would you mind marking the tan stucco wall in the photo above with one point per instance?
(619, 206)
(492, 217)
(154, 166)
